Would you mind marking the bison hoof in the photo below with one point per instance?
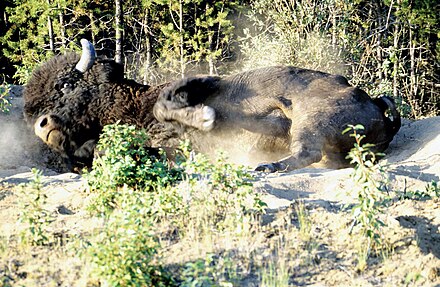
(266, 167)
(208, 118)
(271, 167)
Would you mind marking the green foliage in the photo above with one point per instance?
(125, 162)
(4, 94)
(294, 33)
(128, 186)
(200, 273)
(29, 19)
(194, 35)
(123, 252)
(432, 190)
(39, 29)
(137, 194)
(212, 270)
(384, 47)
(369, 187)
(32, 212)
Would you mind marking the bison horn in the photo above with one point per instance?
(87, 57)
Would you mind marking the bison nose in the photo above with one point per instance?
(44, 125)
(42, 122)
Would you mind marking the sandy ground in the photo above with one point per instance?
(412, 161)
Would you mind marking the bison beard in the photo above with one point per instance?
(286, 116)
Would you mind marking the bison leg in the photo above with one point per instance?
(302, 155)
(200, 117)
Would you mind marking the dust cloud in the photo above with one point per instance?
(18, 146)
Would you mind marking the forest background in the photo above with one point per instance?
(386, 47)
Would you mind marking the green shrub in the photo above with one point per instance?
(142, 197)
(123, 252)
(129, 190)
(125, 162)
(32, 212)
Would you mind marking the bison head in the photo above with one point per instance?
(64, 99)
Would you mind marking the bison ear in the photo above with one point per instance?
(87, 57)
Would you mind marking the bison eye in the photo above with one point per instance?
(183, 97)
(64, 87)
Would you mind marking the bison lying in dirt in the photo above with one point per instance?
(285, 116)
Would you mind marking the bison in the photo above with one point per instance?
(281, 117)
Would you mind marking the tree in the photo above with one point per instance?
(196, 34)
(119, 22)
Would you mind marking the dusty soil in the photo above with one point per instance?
(412, 255)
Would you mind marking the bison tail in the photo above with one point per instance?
(390, 113)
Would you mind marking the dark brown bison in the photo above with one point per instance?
(286, 116)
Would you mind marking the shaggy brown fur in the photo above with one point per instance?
(76, 106)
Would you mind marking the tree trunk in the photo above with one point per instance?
(182, 48)
(50, 30)
(62, 26)
(211, 46)
(396, 61)
(211, 58)
(379, 48)
(119, 32)
(412, 73)
(92, 26)
(334, 28)
(148, 50)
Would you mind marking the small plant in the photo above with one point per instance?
(129, 188)
(32, 212)
(432, 190)
(4, 94)
(213, 270)
(123, 252)
(369, 190)
(275, 273)
(305, 225)
(199, 273)
(220, 195)
(135, 192)
(126, 161)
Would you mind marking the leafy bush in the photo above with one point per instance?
(123, 252)
(32, 212)
(125, 161)
(140, 196)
